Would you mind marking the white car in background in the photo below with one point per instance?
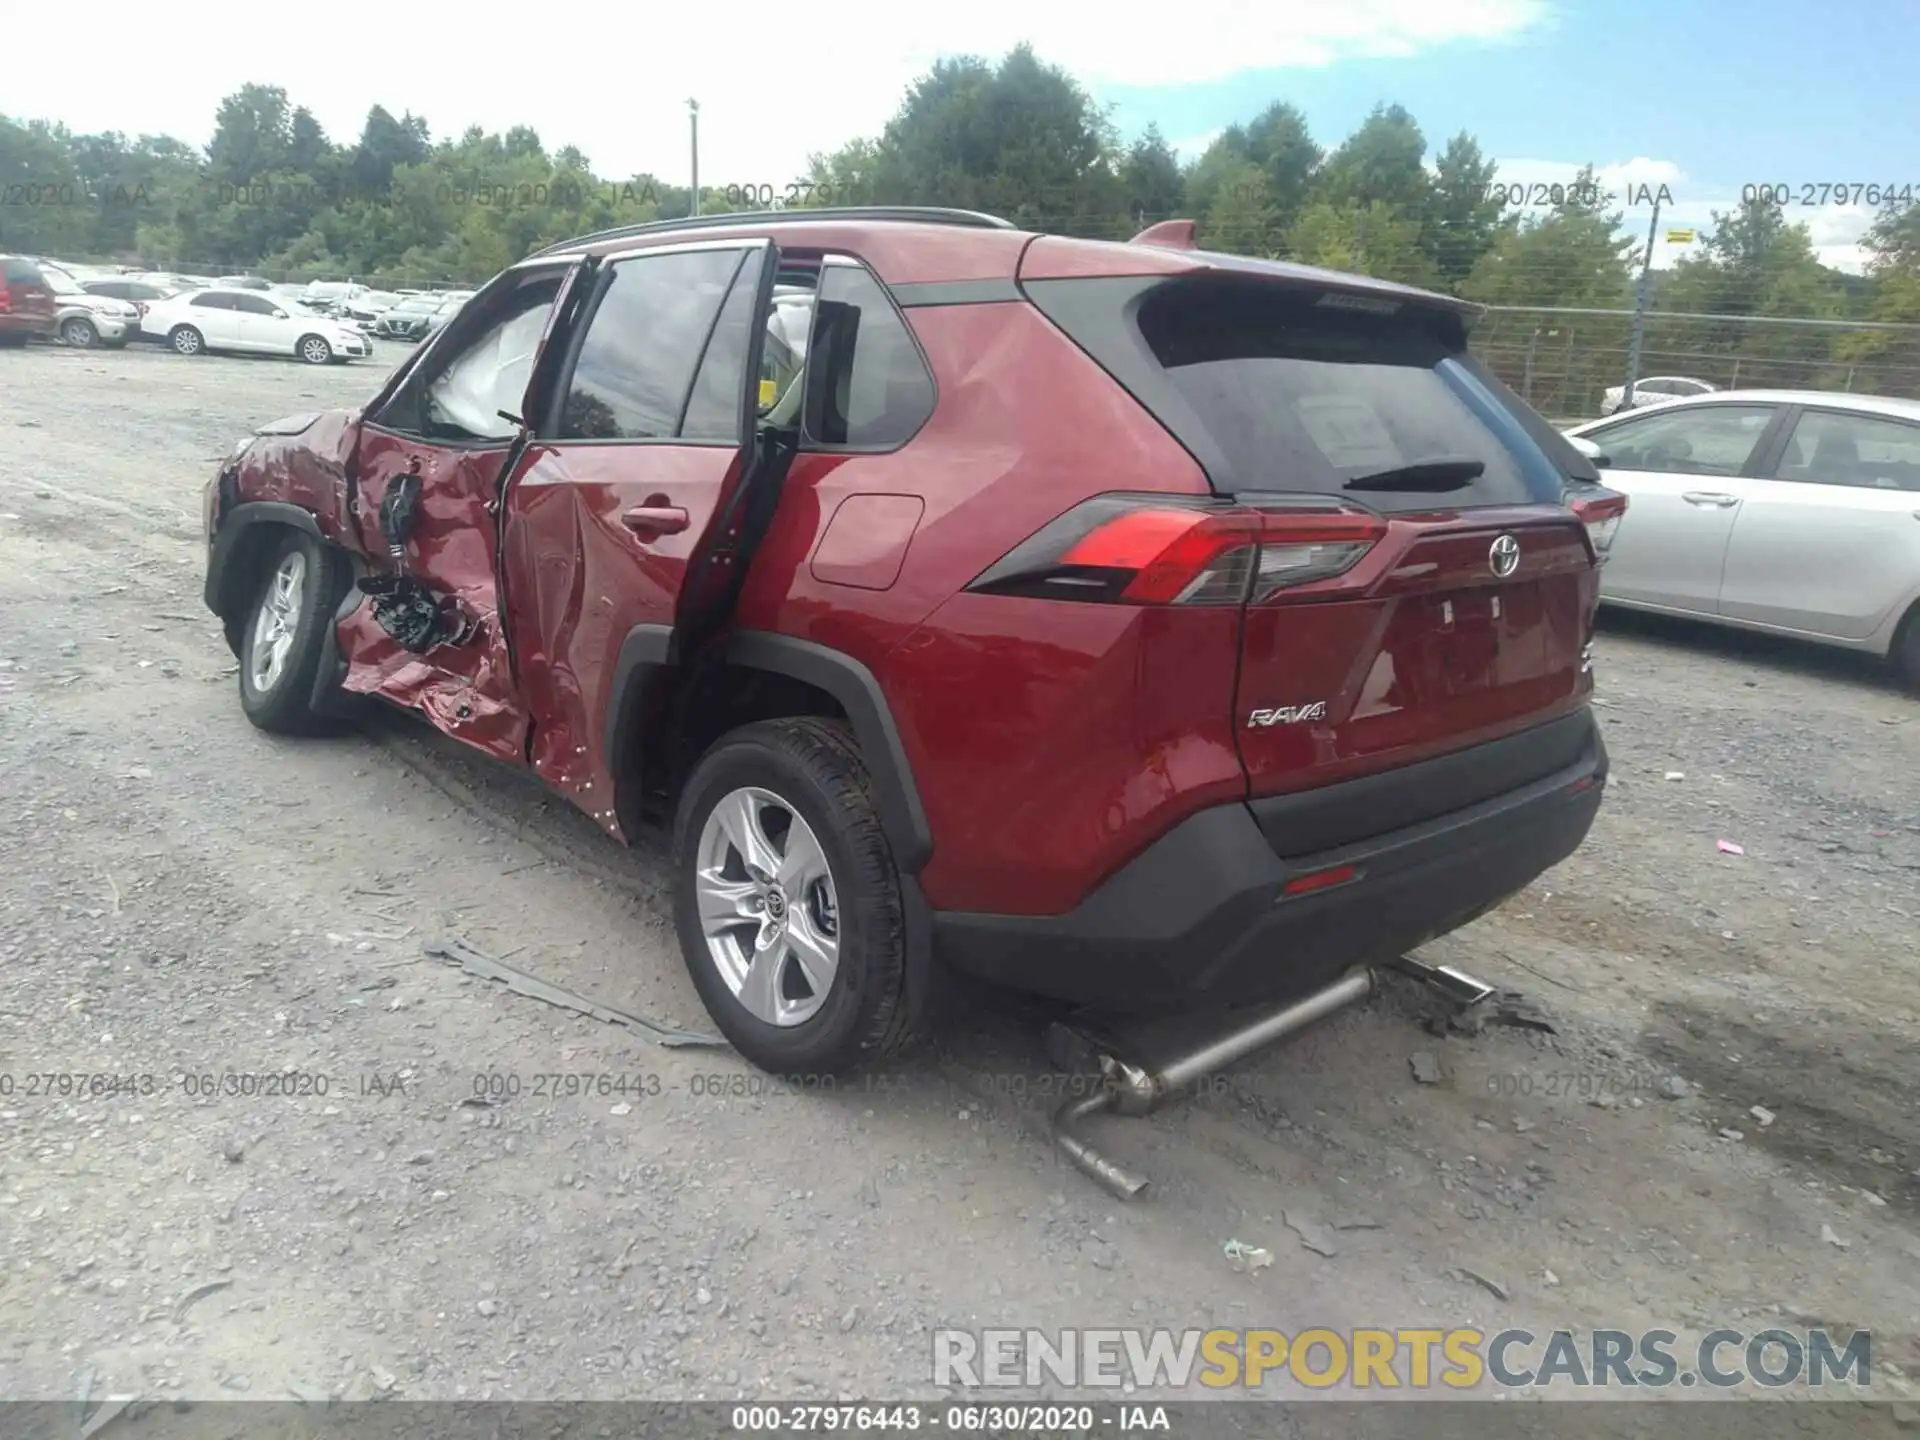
(248, 322)
(1654, 390)
(1791, 511)
(85, 320)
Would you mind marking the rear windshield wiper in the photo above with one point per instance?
(1438, 475)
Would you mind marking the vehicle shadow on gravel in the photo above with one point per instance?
(1802, 658)
(1835, 1097)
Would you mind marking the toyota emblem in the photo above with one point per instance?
(1504, 558)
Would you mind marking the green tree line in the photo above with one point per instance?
(1016, 137)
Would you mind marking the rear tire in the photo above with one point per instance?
(1906, 650)
(757, 938)
(284, 631)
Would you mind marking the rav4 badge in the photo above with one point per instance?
(1287, 715)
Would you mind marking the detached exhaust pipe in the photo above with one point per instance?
(1140, 1086)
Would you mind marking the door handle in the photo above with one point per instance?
(1710, 497)
(655, 519)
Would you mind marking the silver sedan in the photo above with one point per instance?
(1795, 512)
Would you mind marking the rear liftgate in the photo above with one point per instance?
(1137, 1067)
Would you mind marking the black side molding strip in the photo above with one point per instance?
(647, 650)
(860, 695)
(954, 292)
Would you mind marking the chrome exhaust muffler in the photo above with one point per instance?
(1144, 1083)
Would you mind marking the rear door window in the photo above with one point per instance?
(633, 377)
(1828, 448)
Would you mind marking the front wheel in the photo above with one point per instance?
(186, 340)
(315, 350)
(787, 900)
(284, 640)
(78, 332)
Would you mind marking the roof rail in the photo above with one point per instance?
(907, 214)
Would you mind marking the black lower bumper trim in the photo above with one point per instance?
(1202, 916)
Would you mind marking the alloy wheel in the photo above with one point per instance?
(274, 625)
(768, 908)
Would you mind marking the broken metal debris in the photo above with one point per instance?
(1311, 1235)
(1426, 1069)
(1497, 1007)
(1144, 1064)
(1486, 1282)
(199, 1292)
(482, 966)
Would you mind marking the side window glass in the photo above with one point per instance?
(1863, 450)
(213, 302)
(253, 304)
(1712, 440)
(713, 410)
(633, 377)
(876, 391)
(460, 398)
(491, 374)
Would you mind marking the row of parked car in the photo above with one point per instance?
(321, 322)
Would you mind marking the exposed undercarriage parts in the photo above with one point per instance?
(413, 615)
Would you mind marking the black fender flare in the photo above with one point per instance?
(228, 536)
(649, 649)
(860, 695)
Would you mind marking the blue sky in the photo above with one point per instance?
(1703, 95)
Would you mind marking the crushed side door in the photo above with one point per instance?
(429, 635)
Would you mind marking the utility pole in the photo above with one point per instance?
(693, 120)
(1641, 301)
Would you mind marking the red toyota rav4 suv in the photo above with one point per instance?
(1122, 622)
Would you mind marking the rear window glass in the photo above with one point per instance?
(1280, 388)
(21, 272)
(1295, 397)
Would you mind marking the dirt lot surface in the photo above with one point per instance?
(183, 897)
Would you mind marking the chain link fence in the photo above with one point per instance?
(1562, 361)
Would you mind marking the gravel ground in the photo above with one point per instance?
(182, 896)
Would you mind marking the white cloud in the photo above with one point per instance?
(617, 89)
(1193, 148)
(1631, 185)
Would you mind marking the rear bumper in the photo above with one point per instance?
(1202, 916)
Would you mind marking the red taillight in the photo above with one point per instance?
(1163, 550)
(1600, 513)
(6, 299)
